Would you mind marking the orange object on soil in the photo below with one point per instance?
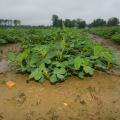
(10, 84)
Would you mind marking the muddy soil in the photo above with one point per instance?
(94, 98)
(105, 42)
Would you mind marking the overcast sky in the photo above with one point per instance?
(35, 12)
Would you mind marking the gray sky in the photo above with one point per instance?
(35, 12)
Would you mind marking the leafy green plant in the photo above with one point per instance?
(116, 37)
(54, 54)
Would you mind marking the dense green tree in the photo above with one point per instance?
(60, 23)
(113, 21)
(98, 22)
(10, 22)
(0, 22)
(73, 23)
(55, 21)
(80, 23)
(68, 23)
(17, 22)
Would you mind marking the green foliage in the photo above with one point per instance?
(78, 23)
(56, 22)
(77, 62)
(116, 37)
(55, 54)
(98, 51)
(38, 73)
(113, 21)
(88, 70)
(98, 22)
(58, 75)
(11, 35)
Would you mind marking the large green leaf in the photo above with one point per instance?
(77, 62)
(23, 55)
(88, 70)
(53, 79)
(108, 57)
(97, 51)
(59, 71)
(36, 74)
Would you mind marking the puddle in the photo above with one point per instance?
(4, 66)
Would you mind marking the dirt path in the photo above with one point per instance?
(94, 98)
(105, 42)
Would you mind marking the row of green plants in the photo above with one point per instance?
(10, 35)
(13, 35)
(55, 54)
(112, 33)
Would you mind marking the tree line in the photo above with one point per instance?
(8, 22)
(80, 23)
(57, 22)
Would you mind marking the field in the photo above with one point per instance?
(112, 33)
(59, 74)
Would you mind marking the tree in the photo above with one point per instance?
(113, 21)
(0, 22)
(98, 22)
(55, 20)
(10, 22)
(5, 22)
(73, 23)
(17, 22)
(59, 23)
(68, 23)
(80, 23)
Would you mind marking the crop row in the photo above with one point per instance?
(55, 54)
